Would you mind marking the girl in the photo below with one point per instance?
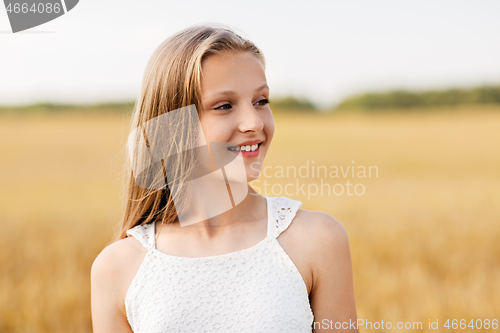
(247, 269)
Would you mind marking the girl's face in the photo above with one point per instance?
(235, 106)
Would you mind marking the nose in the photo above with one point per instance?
(250, 119)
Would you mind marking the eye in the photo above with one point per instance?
(263, 101)
(223, 107)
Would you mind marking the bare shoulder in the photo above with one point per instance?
(323, 239)
(116, 256)
(312, 239)
(332, 291)
(111, 274)
(319, 228)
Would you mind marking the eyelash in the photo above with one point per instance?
(265, 100)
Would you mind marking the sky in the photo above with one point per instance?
(321, 50)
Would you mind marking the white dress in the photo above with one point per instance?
(257, 289)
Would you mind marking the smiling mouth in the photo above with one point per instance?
(245, 147)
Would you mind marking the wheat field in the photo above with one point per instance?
(423, 226)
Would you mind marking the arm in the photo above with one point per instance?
(108, 310)
(332, 294)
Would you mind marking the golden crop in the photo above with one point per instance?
(423, 235)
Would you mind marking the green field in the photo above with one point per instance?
(424, 233)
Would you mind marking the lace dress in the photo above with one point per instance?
(257, 289)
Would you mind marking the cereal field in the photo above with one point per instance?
(423, 225)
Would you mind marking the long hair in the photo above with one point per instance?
(172, 80)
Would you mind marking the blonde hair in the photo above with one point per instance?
(172, 80)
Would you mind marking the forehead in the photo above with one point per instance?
(231, 70)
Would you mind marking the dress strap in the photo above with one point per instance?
(144, 233)
(281, 213)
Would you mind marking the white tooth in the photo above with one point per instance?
(254, 147)
(243, 148)
(248, 148)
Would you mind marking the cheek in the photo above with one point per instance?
(269, 126)
(216, 129)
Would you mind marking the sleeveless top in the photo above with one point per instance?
(257, 289)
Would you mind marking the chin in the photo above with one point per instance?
(252, 175)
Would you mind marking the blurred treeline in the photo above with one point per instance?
(371, 101)
(47, 107)
(402, 99)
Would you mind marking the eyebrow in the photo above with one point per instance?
(232, 92)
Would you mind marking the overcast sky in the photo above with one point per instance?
(323, 50)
